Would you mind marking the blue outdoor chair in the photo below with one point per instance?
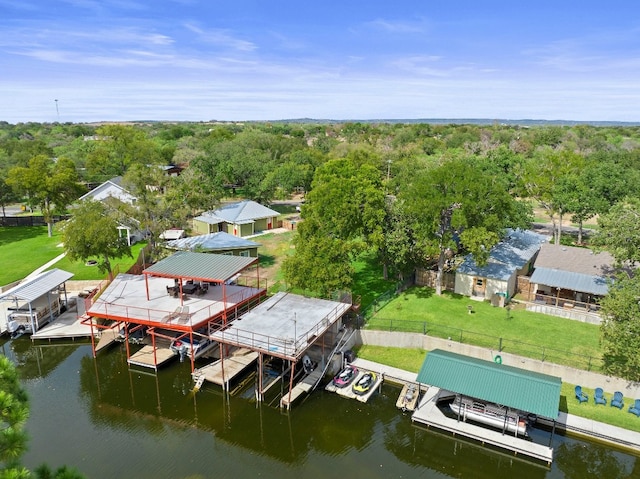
(598, 397)
(580, 396)
(635, 409)
(617, 400)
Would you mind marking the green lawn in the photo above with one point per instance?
(368, 283)
(512, 330)
(24, 249)
(412, 359)
(83, 272)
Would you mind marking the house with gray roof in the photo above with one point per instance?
(110, 189)
(570, 277)
(220, 243)
(497, 279)
(240, 219)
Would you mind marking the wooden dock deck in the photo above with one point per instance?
(429, 414)
(303, 387)
(107, 337)
(222, 372)
(67, 325)
(145, 357)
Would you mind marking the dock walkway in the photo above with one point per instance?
(393, 375)
(429, 414)
(67, 325)
(221, 372)
(303, 387)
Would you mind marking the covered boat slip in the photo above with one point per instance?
(185, 293)
(286, 326)
(512, 388)
(35, 301)
(429, 414)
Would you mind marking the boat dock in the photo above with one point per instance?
(429, 414)
(389, 373)
(145, 357)
(67, 325)
(223, 371)
(107, 337)
(303, 387)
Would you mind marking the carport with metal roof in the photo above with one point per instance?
(31, 290)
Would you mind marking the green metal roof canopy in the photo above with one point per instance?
(200, 266)
(497, 383)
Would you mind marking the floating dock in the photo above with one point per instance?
(223, 371)
(347, 391)
(429, 414)
(145, 357)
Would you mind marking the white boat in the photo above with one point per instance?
(200, 346)
(493, 415)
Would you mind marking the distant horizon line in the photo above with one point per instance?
(460, 121)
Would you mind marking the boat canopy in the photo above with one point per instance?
(494, 382)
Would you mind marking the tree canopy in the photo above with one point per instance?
(93, 233)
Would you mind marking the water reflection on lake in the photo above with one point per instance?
(110, 421)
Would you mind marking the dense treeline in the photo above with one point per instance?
(415, 194)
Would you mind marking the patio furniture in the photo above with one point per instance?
(173, 315)
(184, 314)
(599, 398)
(580, 396)
(635, 409)
(189, 288)
(617, 400)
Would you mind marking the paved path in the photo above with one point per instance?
(45, 266)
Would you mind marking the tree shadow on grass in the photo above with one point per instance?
(267, 260)
(13, 234)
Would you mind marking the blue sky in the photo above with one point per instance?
(268, 60)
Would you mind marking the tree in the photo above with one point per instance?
(14, 411)
(117, 148)
(343, 214)
(92, 232)
(50, 185)
(620, 328)
(620, 232)
(7, 194)
(457, 205)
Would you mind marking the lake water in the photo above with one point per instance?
(110, 421)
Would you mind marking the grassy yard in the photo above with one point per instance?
(24, 249)
(512, 330)
(412, 359)
(83, 272)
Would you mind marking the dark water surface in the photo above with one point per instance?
(110, 421)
